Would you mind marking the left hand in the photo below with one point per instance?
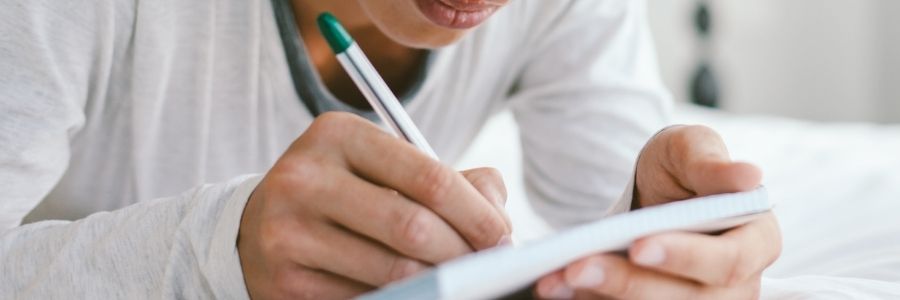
(680, 162)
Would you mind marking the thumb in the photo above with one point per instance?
(709, 177)
(706, 167)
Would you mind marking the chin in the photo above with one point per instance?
(425, 39)
(404, 22)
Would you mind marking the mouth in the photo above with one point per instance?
(458, 14)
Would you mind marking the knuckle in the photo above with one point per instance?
(622, 283)
(273, 237)
(698, 129)
(280, 238)
(493, 173)
(307, 176)
(401, 268)
(336, 119)
(740, 270)
(330, 126)
(489, 177)
(486, 174)
(683, 137)
(435, 181)
(682, 256)
(677, 143)
(489, 230)
(413, 232)
(301, 177)
(689, 133)
(623, 288)
(497, 181)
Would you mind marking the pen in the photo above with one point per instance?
(370, 83)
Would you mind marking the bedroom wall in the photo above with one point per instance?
(812, 59)
(889, 23)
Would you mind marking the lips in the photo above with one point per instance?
(457, 14)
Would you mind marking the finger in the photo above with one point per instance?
(724, 260)
(489, 182)
(700, 161)
(613, 276)
(448, 194)
(396, 164)
(710, 177)
(303, 283)
(392, 219)
(337, 251)
(553, 286)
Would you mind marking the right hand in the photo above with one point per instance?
(349, 207)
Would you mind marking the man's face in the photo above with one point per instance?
(428, 23)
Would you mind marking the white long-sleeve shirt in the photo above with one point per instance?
(109, 108)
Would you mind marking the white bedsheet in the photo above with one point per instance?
(837, 187)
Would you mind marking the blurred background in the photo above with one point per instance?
(798, 86)
(826, 60)
(809, 91)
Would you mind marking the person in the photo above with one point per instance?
(116, 116)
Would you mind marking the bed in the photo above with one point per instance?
(837, 187)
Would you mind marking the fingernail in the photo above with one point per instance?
(651, 254)
(558, 291)
(505, 240)
(591, 275)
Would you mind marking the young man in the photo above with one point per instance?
(116, 106)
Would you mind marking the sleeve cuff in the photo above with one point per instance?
(624, 202)
(225, 275)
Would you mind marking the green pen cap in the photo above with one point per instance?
(334, 33)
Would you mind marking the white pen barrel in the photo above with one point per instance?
(382, 98)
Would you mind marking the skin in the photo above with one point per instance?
(307, 232)
(678, 163)
(394, 44)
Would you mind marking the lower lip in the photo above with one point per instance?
(447, 16)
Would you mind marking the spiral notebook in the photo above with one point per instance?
(499, 271)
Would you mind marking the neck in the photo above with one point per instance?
(349, 12)
(306, 11)
(396, 63)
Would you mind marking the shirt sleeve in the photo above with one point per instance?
(588, 100)
(181, 247)
(45, 78)
(55, 56)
